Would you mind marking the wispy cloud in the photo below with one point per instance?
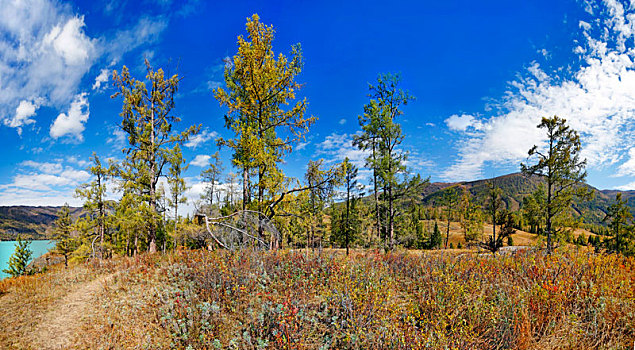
(117, 138)
(628, 167)
(146, 31)
(337, 147)
(200, 160)
(201, 138)
(463, 122)
(597, 100)
(43, 183)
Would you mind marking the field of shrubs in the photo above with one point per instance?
(298, 300)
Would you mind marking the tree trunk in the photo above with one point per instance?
(391, 221)
(494, 226)
(549, 184)
(152, 247)
(245, 197)
(549, 244)
(447, 235)
(176, 217)
(377, 217)
(261, 195)
(100, 224)
(348, 225)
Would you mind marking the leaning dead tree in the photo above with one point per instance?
(243, 229)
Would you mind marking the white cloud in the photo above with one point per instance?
(418, 162)
(627, 187)
(147, 30)
(301, 146)
(23, 114)
(202, 137)
(100, 79)
(200, 160)
(117, 138)
(342, 121)
(72, 124)
(46, 167)
(213, 84)
(74, 160)
(44, 176)
(596, 99)
(628, 168)
(38, 198)
(340, 146)
(337, 147)
(44, 53)
(462, 122)
(42, 183)
(70, 43)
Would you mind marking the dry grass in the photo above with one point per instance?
(520, 238)
(27, 300)
(299, 300)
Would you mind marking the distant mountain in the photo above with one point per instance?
(517, 186)
(31, 222)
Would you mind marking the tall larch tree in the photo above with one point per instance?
(368, 141)
(317, 198)
(494, 205)
(620, 227)
(351, 188)
(383, 135)
(148, 120)
(450, 199)
(259, 94)
(61, 234)
(211, 176)
(94, 195)
(176, 184)
(560, 165)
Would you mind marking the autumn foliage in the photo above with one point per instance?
(370, 300)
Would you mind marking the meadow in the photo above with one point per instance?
(572, 299)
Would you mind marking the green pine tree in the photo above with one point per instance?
(621, 232)
(560, 165)
(435, 239)
(149, 121)
(20, 258)
(62, 233)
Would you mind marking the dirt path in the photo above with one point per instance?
(57, 328)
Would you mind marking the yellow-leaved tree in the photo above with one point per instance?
(260, 92)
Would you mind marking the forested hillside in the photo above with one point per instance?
(516, 186)
(31, 222)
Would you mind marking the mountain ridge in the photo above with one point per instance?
(516, 186)
(31, 222)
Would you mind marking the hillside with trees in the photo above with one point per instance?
(516, 187)
(30, 222)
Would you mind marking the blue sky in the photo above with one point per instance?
(483, 73)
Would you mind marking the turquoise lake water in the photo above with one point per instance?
(8, 247)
